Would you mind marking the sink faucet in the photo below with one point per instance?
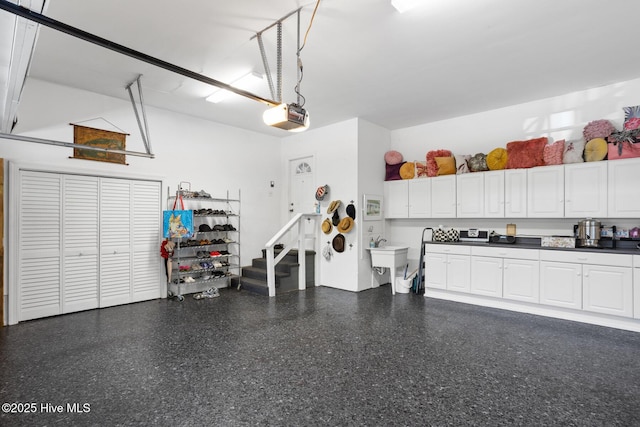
(380, 241)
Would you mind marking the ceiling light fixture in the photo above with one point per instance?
(405, 5)
(291, 117)
(248, 81)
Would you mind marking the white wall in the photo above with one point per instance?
(373, 142)
(560, 117)
(334, 149)
(210, 156)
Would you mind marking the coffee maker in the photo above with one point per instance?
(587, 233)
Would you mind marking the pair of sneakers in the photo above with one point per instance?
(210, 293)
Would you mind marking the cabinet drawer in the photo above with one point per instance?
(448, 249)
(636, 260)
(503, 252)
(596, 258)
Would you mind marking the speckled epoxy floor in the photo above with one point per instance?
(321, 357)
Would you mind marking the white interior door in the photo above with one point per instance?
(80, 227)
(301, 186)
(39, 246)
(115, 242)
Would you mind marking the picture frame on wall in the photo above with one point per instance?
(372, 206)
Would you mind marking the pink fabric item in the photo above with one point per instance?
(623, 150)
(392, 157)
(553, 153)
(432, 166)
(526, 154)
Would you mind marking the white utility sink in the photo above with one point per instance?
(391, 257)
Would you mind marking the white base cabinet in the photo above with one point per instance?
(590, 281)
(448, 267)
(607, 290)
(589, 286)
(561, 284)
(487, 276)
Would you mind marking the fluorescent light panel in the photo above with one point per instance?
(245, 82)
(405, 5)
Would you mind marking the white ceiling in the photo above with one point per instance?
(362, 58)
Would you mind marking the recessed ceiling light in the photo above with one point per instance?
(245, 82)
(405, 5)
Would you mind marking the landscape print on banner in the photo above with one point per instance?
(83, 135)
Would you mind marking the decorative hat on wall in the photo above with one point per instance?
(338, 243)
(351, 210)
(336, 218)
(333, 206)
(345, 225)
(327, 227)
(321, 192)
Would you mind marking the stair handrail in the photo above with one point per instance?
(272, 260)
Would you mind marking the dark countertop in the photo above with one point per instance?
(627, 247)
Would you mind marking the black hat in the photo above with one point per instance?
(335, 219)
(204, 227)
(351, 211)
(338, 243)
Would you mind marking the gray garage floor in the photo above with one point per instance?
(320, 357)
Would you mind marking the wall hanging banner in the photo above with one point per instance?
(109, 140)
(177, 223)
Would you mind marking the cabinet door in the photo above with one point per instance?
(420, 198)
(443, 196)
(396, 199)
(636, 293)
(585, 190)
(486, 273)
(470, 195)
(458, 272)
(494, 194)
(435, 270)
(623, 193)
(515, 193)
(561, 284)
(545, 192)
(608, 290)
(521, 280)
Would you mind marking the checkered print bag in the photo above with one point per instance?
(446, 235)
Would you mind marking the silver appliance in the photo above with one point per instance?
(587, 233)
(474, 235)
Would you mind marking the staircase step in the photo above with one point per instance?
(261, 273)
(255, 286)
(293, 253)
(283, 266)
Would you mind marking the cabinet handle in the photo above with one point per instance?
(582, 258)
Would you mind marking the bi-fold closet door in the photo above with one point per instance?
(86, 242)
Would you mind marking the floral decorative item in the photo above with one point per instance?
(598, 129)
(421, 169)
(631, 117)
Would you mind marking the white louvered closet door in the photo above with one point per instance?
(80, 243)
(115, 241)
(39, 237)
(147, 268)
